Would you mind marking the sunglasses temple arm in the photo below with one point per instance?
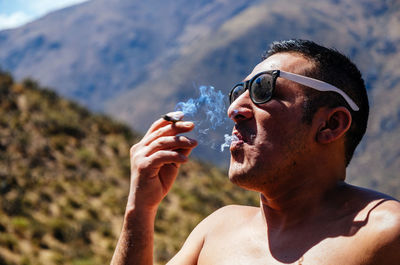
(317, 85)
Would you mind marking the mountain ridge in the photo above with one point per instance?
(135, 60)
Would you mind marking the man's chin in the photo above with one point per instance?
(238, 174)
(244, 182)
(246, 176)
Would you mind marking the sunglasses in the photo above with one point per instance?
(262, 86)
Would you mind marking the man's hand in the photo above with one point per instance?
(155, 161)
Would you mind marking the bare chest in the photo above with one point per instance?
(250, 247)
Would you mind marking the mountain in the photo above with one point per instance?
(136, 59)
(95, 50)
(64, 179)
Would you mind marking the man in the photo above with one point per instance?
(294, 138)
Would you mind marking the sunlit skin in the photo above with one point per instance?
(283, 159)
(307, 213)
(273, 134)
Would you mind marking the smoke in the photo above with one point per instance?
(228, 140)
(208, 112)
(210, 102)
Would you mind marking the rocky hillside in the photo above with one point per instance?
(64, 173)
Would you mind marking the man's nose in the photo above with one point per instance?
(241, 109)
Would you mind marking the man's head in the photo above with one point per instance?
(277, 138)
(336, 69)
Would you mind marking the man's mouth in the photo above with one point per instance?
(242, 137)
(237, 140)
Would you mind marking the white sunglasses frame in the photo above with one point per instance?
(306, 81)
(317, 85)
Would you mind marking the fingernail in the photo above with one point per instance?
(187, 124)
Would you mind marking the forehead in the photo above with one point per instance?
(290, 62)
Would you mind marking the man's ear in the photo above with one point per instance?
(336, 123)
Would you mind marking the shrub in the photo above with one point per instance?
(63, 231)
(9, 241)
(20, 224)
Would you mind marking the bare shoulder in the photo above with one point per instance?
(219, 221)
(379, 208)
(386, 211)
(384, 219)
(381, 234)
(384, 233)
(227, 217)
(380, 211)
(238, 212)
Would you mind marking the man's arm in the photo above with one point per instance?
(155, 161)
(389, 254)
(189, 253)
(135, 245)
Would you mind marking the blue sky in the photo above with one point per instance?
(14, 13)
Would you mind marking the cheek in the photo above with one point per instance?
(280, 142)
(267, 140)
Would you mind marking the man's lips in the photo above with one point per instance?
(237, 136)
(241, 138)
(237, 140)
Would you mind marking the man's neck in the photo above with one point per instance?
(300, 203)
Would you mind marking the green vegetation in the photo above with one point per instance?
(64, 175)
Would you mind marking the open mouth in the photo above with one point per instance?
(236, 136)
(240, 138)
(237, 140)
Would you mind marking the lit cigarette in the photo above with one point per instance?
(171, 119)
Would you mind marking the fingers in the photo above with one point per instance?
(155, 161)
(161, 145)
(162, 122)
(168, 149)
(170, 129)
(177, 143)
(185, 152)
(167, 157)
(150, 166)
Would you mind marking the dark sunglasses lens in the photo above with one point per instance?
(261, 88)
(236, 92)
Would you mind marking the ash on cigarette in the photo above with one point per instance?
(173, 116)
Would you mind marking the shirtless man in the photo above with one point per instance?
(293, 146)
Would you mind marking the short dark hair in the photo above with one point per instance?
(336, 69)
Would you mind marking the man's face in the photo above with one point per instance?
(272, 137)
